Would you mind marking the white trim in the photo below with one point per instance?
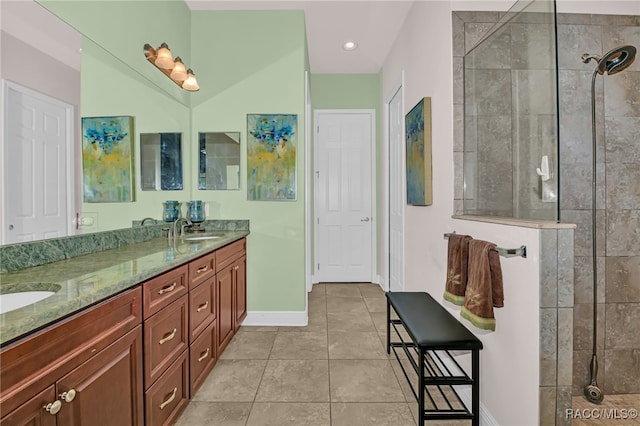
(372, 113)
(308, 182)
(398, 85)
(70, 176)
(276, 318)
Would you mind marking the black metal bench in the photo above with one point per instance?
(426, 333)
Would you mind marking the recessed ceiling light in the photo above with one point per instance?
(350, 45)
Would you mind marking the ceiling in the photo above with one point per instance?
(372, 24)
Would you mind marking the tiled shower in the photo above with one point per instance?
(618, 168)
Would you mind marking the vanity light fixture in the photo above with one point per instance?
(350, 45)
(174, 69)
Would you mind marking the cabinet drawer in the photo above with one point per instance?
(227, 254)
(202, 356)
(158, 292)
(202, 307)
(169, 395)
(165, 338)
(201, 269)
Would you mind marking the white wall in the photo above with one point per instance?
(509, 361)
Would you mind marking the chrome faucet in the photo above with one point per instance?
(175, 227)
(147, 219)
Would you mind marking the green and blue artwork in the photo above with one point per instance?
(418, 134)
(271, 157)
(107, 159)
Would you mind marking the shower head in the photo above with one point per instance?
(614, 61)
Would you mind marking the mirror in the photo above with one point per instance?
(161, 161)
(45, 53)
(219, 165)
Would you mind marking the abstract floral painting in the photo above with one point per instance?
(107, 159)
(418, 133)
(271, 157)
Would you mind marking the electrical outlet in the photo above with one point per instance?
(88, 220)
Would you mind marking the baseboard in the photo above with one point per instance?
(276, 318)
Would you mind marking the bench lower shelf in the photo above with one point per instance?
(437, 380)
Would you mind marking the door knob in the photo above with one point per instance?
(366, 219)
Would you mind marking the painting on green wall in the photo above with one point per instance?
(107, 159)
(271, 157)
(418, 134)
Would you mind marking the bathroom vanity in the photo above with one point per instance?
(129, 342)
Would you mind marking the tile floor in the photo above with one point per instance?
(335, 371)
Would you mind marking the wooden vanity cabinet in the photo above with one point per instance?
(94, 356)
(231, 290)
(134, 359)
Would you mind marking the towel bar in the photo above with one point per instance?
(512, 252)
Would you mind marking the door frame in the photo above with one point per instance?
(374, 181)
(71, 165)
(386, 171)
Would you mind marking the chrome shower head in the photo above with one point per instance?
(614, 61)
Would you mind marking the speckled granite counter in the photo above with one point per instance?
(82, 281)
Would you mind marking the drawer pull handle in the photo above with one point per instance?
(168, 288)
(68, 396)
(53, 407)
(204, 355)
(203, 306)
(205, 268)
(171, 398)
(168, 336)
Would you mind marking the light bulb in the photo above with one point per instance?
(164, 59)
(179, 72)
(190, 83)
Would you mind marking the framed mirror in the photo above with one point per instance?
(219, 165)
(161, 161)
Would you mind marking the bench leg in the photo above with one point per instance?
(421, 407)
(475, 388)
(388, 327)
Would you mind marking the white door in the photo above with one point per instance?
(36, 181)
(345, 183)
(396, 192)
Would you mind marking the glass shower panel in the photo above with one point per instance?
(511, 117)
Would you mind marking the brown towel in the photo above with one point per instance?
(484, 286)
(457, 254)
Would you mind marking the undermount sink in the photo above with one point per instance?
(201, 237)
(12, 301)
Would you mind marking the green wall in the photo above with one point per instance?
(346, 91)
(254, 62)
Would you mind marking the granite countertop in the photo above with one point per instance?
(82, 281)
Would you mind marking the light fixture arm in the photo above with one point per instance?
(151, 55)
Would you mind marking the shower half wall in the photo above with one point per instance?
(618, 192)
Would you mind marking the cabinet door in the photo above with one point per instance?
(33, 412)
(226, 315)
(240, 291)
(108, 387)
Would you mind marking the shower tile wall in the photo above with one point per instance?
(618, 201)
(617, 196)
